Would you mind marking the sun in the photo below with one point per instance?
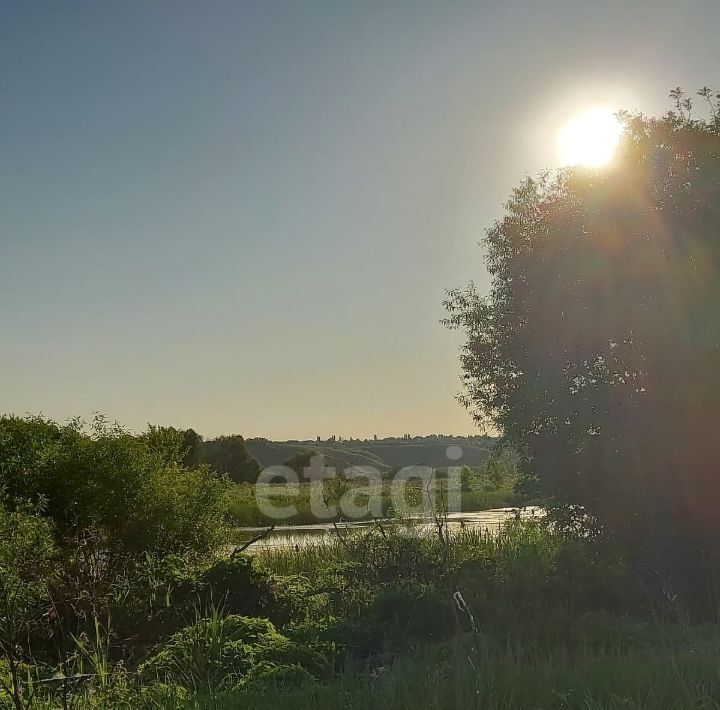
(589, 138)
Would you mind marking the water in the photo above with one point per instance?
(299, 535)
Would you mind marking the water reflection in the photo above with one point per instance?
(299, 535)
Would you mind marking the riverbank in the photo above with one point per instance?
(295, 536)
(522, 616)
(307, 506)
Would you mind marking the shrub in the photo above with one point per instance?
(529, 569)
(467, 478)
(236, 583)
(220, 651)
(124, 488)
(413, 611)
(27, 566)
(160, 594)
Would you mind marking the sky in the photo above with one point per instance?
(242, 217)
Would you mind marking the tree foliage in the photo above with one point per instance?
(597, 350)
(230, 455)
(129, 493)
(27, 568)
(300, 460)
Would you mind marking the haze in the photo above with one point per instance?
(242, 217)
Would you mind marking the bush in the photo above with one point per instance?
(413, 611)
(221, 651)
(123, 488)
(160, 594)
(239, 585)
(28, 564)
(529, 569)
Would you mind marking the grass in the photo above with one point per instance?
(677, 671)
(460, 675)
(558, 622)
(468, 544)
(243, 509)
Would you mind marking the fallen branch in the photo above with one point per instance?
(239, 549)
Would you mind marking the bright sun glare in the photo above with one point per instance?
(589, 138)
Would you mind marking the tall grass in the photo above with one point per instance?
(543, 638)
(466, 543)
(471, 674)
(461, 675)
(243, 510)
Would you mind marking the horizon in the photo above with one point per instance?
(340, 438)
(245, 220)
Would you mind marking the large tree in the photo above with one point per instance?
(597, 349)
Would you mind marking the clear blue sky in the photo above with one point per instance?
(242, 216)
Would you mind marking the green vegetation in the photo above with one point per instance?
(227, 455)
(388, 617)
(597, 351)
(457, 676)
(493, 487)
(161, 615)
(120, 590)
(385, 455)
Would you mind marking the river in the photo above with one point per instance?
(298, 535)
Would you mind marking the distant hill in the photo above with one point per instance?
(383, 454)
